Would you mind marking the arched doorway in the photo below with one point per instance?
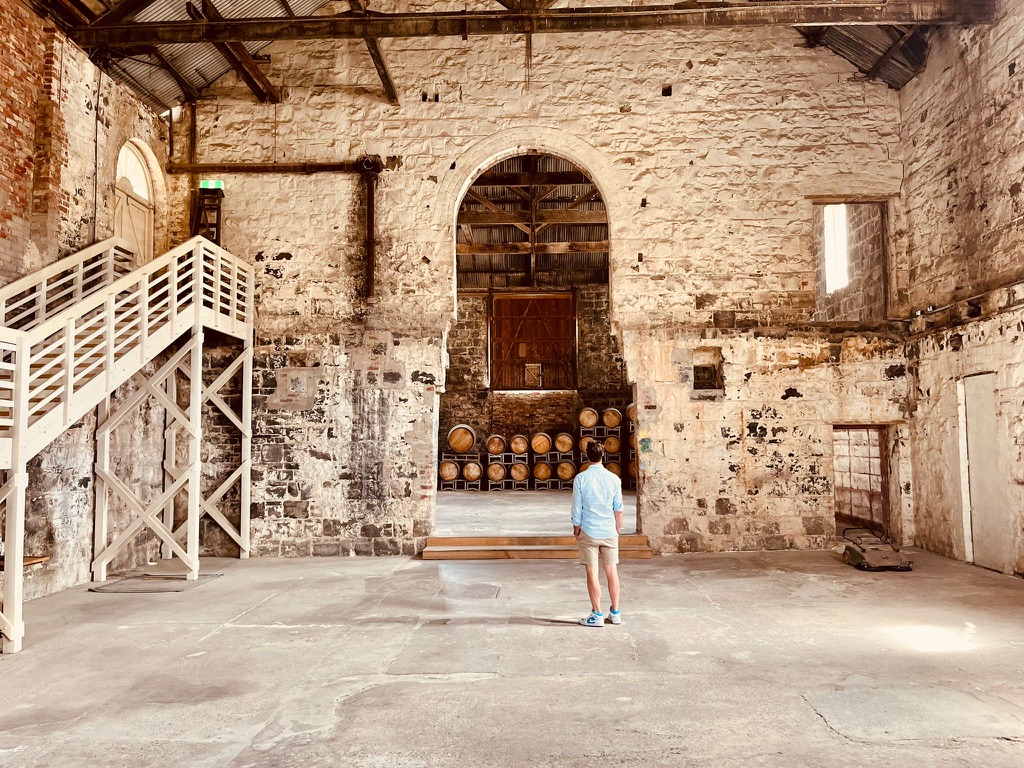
(133, 202)
(531, 347)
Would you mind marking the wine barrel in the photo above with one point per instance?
(566, 470)
(541, 442)
(632, 440)
(632, 469)
(519, 472)
(461, 438)
(584, 442)
(519, 444)
(584, 465)
(542, 471)
(495, 473)
(614, 468)
(448, 470)
(612, 444)
(564, 442)
(588, 418)
(495, 444)
(611, 417)
(472, 471)
(631, 412)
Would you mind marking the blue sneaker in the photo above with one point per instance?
(595, 619)
(615, 617)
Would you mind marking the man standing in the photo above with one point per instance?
(596, 524)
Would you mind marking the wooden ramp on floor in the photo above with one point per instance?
(631, 547)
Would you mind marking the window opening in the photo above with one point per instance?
(861, 478)
(837, 275)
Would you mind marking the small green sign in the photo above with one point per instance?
(211, 184)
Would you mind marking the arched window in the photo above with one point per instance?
(133, 202)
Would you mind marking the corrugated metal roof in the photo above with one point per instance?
(865, 47)
(201, 65)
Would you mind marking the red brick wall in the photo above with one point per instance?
(22, 52)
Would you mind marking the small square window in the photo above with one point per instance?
(837, 275)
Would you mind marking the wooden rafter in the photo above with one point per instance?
(377, 56)
(893, 49)
(237, 56)
(482, 249)
(548, 21)
(191, 94)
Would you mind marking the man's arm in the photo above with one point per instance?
(617, 507)
(577, 509)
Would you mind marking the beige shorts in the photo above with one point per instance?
(591, 549)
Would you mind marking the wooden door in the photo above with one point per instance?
(992, 519)
(133, 222)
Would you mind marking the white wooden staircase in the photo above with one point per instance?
(73, 333)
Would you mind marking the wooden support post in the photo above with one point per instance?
(99, 530)
(14, 534)
(195, 414)
(245, 482)
(170, 458)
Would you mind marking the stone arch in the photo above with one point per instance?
(157, 197)
(510, 142)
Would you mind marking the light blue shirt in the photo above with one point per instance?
(596, 497)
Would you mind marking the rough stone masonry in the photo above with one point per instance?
(710, 186)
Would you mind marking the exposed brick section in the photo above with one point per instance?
(63, 124)
(865, 297)
(23, 54)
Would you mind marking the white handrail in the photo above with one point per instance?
(30, 300)
(77, 349)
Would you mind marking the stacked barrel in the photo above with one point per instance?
(460, 467)
(542, 460)
(610, 427)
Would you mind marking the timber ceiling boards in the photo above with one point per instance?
(169, 56)
(532, 221)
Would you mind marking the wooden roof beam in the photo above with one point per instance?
(895, 48)
(489, 249)
(807, 13)
(377, 55)
(237, 56)
(187, 89)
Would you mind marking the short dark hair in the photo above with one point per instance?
(595, 451)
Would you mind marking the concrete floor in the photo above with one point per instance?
(778, 660)
(514, 513)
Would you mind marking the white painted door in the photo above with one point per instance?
(992, 522)
(133, 222)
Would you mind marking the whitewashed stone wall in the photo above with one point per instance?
(709, 197)
(963, 139)
(752, 468)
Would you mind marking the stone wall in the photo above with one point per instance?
(963, 122)
(57, 165)
(709, 193)
(963, 119)
(752, 468)
(864, 298)
(940, 361)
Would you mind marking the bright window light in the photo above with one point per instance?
(836, 271)
(930, 639)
